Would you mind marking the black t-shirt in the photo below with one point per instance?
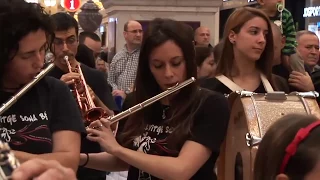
(209, 129)
(215, 85)
(98, 83)
(46, 108)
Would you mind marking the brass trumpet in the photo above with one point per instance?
(89, 110)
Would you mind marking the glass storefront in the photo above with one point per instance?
(311, 14)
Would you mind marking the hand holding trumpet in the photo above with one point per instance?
(71, 79)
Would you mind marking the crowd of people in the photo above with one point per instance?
(177, 137)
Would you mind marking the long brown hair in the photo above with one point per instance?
(234, 23)
(182, 108)
(273, 148)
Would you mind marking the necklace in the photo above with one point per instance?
(164, 110)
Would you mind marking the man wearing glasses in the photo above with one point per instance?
(124, 64)
(66, 43)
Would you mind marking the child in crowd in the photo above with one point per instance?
(282, 18)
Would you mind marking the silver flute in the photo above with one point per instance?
(5, 106)
(169, 91)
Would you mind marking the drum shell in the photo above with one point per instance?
(253, 114)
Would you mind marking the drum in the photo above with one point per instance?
(251, 116)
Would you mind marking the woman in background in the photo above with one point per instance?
(205, 61)
(247, 55)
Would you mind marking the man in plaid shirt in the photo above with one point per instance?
(124, 64)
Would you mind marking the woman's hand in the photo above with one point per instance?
(100, 131)
(40, 169)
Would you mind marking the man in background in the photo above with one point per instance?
(92, 41)
(202, 36)
(102, 66)
(123, 67)
(308, 48)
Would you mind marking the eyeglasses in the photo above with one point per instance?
(60, 42)
(136, 31)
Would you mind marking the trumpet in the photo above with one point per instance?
(89, 110)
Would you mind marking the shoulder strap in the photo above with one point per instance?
(234, 87)
(266, 84)
(230, 84)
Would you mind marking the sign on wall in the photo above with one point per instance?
(72, 5)
(311, 11)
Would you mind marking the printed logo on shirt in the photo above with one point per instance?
(33, 126)
(153, 141)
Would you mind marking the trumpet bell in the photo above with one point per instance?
(93, 114)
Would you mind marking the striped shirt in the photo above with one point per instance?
(288, 30)
(123, 70)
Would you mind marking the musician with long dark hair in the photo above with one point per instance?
(66, 43)
(178, 137)
(44, 123)
(247, 55)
